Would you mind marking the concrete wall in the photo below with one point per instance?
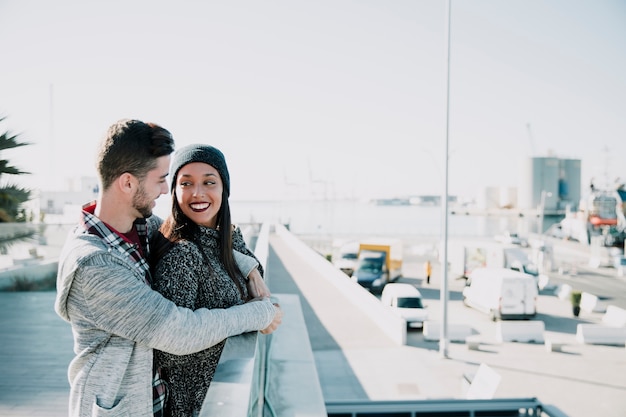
(390, 323)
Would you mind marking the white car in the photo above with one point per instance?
(405, 300)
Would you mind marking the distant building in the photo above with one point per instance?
(552, 182)
(499, 198)
(54, 204)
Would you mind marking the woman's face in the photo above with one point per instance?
(199, 193)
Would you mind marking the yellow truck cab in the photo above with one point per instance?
(379, 262)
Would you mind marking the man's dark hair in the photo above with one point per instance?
(131, 146)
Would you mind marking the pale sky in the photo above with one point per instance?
(321, 98)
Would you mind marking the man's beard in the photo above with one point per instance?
(142, 203)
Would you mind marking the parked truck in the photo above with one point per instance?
(465, 256)
(379, 262)
(502, 293)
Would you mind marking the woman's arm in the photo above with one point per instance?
(239, 245)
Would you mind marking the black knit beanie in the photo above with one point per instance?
(200, 153)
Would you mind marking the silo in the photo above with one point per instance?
(570, 190)
(525, 192)
(545, 180)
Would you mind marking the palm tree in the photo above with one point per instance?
(12, 196)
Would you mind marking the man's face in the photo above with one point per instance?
(152, 187)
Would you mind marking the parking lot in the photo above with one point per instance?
(581, 379)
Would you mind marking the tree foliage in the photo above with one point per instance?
(12, 196)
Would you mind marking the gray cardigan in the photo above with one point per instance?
(117, 319)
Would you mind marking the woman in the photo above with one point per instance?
(195, 265)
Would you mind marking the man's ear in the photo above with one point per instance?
(126, 182)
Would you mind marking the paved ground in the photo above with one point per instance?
(355, 361)
(35, 350)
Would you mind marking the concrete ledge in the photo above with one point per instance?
(597, 334)
(614, 317)
(563, 291)
(554, 346)
(520, 331)
(276, 370)
(389, 323)
(592, 303)
(230, 390)
(473, 342)
(456, 332)
(292, 384)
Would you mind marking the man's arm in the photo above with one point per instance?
(124, 305)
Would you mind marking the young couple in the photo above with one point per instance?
(128, 338)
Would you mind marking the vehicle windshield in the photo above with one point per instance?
(410, 302)
(349, 256)
(531, 269)
(371, 265)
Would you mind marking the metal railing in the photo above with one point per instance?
(501, 407)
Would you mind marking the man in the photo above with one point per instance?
(428, 269)
(103, 284)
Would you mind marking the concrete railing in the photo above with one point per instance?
(389, 323)
(456, 332)
(598, 334)
(275, 372)
(520, 331)
(614, 317)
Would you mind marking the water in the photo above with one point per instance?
(323, 222)
(362, 218)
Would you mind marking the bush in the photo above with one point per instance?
(21, 283)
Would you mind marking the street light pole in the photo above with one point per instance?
(542, 208)
(443, 334)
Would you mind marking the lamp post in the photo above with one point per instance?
(443, 335)
(542, 208)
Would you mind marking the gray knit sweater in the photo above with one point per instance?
(183, 276)
(117, 321)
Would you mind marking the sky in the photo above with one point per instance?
(325, 98)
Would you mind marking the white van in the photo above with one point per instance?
(348, 255)
(405, 300)
(502, 293)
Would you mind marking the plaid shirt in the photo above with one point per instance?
(93, 225)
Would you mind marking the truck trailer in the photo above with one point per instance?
(502, 293)
(465, 256)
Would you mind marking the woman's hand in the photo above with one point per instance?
(256, 285)
(258, 289)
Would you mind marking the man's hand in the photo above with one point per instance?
(278, 319)
(278, 316)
